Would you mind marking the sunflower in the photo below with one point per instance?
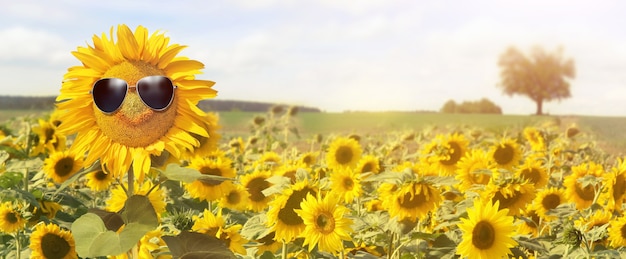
(583, 195)
(343, 152)
(47, 138)
(99, 180)
(289, 171)
(617, 232)
(281, 215)
(46, 208)
(118, 198)
(62, 165)
(615, 182)
(211, 190)
(529, 223)
(236, 199)
(269, 160)
(474, 168)
(533, 171)
(255, 183)
(208, 145)
(210, 224)
(11, 219)
(232, 238)
(411, 200)
(506, 153)
(50, 241)
(267, 244)
(134, 132)
(546, 200)
(513, 195)
(149, 245)
(346, 183)
(444, 152)
(369, 163)
(597, 219)
(325, 223)
(308, 159)
(535, 139)
(486, 232)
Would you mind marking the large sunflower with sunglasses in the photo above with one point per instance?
(133, 98)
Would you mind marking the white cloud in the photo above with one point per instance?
(21, 44)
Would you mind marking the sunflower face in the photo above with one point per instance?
(346, 183)
(410, 201)
(134, 131)
(211, 190)
(506, 154)
(445, 152)
(10, 218)
(546, 200)
(282, 216)
(50, 241)
(583, 195)
(60, 166)
(533, 172)
(535, 139)
(325, 225)
(99, 180)
(511, 196)
(474, 169)
(486, 232)
(343, 152)
(617, 232)
(255, 183)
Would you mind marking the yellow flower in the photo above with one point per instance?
(62, 165)
(236, 199)
(211, 190)
(528, 223)
(343, 152)
(617, 232)
(267, 243)
(583, 196)
(208, 145)
(546, 200)
(346, 184)
(513, 196)
(11, 219)
(368, 163)
(209, 223)
(615, 181)
(325, 223)
(47, 138)
(255, 183)
(535, 139)
(412, 200)
(233, 239)
(282, 218)
(474, 169)
(533, 171)
(268, 160)
(486, 232)
(99, 180)
(133, 132)
(50, 241)
(308, 158)
(506, 154)
(118, 198)
(150, 244)
(444, 152)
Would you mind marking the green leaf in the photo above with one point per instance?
(175, 172)
(255, 227)
(10, 179)
(188, 245)
(94, 239)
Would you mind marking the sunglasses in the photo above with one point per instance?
(156, 92)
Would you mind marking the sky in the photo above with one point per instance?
(337, 55)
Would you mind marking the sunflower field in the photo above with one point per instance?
(147, 174)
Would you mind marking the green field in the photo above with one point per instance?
(609, 131)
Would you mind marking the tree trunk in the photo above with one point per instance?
(539, 106)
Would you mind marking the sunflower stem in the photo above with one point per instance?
(131, 182)
(18, 245)
(284, 253)
(390, 248)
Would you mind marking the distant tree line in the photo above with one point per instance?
(47, 103)
(482, 106)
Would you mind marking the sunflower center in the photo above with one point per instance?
(255, 188)
(551, 201)
(507, 202)
(307, 160)
(504, 154)
(367, 168)
(348, 183)
(619, 188)
(411, 201)
(268, 239)
(623, 231)
(586, 193)
(454, 154)
(325, 223)
(11, 217)
(135, 124)
(100, 175)
(49, 134)
(54, 246)
(483, 235)
(210, 171)
(534, 219)
(531, 174)
(291, 174)
(343, 155)
(287, 214)
(233, 197)
(64, 166)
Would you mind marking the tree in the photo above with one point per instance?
(449, 107)
(542, 76)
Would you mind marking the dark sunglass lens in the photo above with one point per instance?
(109, 93)
(156, 91)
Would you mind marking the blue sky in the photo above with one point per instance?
(338, 55)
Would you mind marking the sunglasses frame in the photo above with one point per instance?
(128, 87)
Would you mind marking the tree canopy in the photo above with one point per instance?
(542, 76)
